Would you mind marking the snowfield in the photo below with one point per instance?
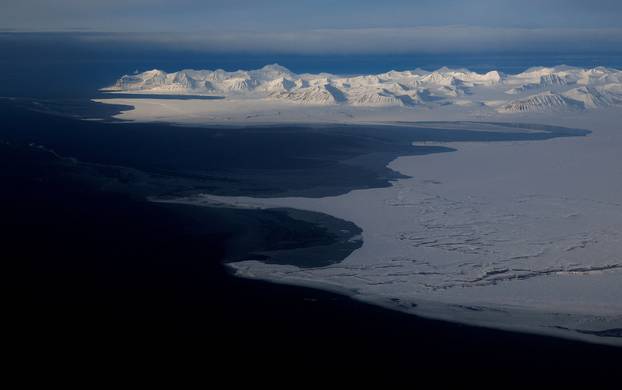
(522, 235)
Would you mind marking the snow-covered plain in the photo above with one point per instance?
(520, 235)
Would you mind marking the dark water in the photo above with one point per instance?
(260, 161)
(161, 160)
(59, 65)
(89, 265)
(92, 270)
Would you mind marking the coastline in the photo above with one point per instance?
(346, 210)
(454, 313)
(167, 284)
(558, 322)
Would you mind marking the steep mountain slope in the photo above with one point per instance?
(542, 102)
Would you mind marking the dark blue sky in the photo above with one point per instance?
(275, 15)
(323, 26)
(74, 47)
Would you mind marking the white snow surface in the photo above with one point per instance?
(535, 90)
(523, 235)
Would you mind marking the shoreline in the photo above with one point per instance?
(433, 313)
(399, 204)
(167, 284)
(453, 311)
(427, 308)
(326, 236)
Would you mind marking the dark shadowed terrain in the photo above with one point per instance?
(91, 268)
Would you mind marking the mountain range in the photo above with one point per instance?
(538, 89)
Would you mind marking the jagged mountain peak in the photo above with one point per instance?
(534, 90)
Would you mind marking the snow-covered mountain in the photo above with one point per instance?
(541, 102)
(598, 96)
(535, 90)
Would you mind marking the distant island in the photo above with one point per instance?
(538, 89)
